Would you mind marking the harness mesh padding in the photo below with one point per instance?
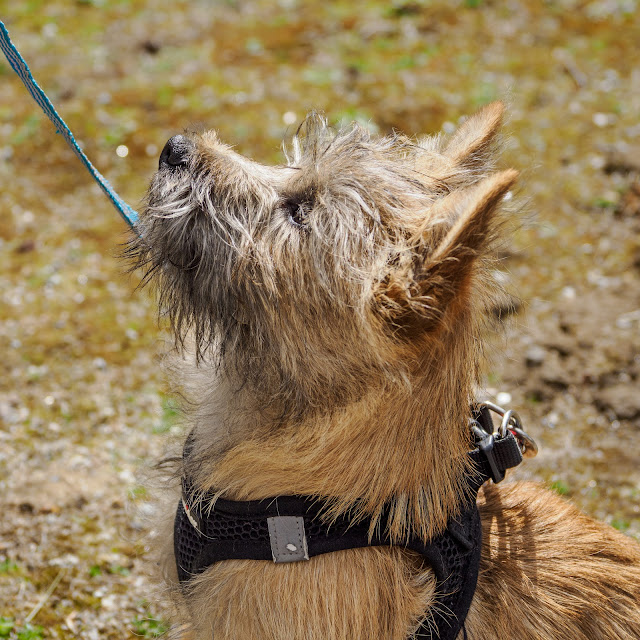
(239, 530)
(227, 534)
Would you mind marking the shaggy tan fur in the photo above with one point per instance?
(336, 307)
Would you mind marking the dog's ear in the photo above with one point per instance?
(466, 156)
(418, 298)
(471, 143)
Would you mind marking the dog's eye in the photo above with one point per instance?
(298, 210)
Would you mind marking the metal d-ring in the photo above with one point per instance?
(508, 417)
(511, 422)
(527, 443)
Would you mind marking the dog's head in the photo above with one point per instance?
(314, 280)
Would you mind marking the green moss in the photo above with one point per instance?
(119, 570)
(149, 627)
(404, 62)
(8, 566)
(604, 203)
(560, 487)
(95, 571)
(31, 632)
(621, 524)
(170, 415)
(27, 130)
(6, 627)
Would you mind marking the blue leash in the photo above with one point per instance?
(21, 68)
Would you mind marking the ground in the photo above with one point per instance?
(83, 405)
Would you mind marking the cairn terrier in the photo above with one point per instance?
(329, 316)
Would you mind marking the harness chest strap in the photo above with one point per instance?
(291, 529)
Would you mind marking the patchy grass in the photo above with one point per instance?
(621, 524)
(8, 566)
(9, 629)
(560, 487)
(149, 627)
(81, 389)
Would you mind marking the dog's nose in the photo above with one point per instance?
(176, 152)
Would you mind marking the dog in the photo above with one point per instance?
(329, 317)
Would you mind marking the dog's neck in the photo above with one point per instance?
(404, 447)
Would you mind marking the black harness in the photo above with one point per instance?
(291, 529)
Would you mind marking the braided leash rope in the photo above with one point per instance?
(22, 69)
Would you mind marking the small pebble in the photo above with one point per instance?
(289, 117)
(448, 127)
(535, 356)
(600, 119)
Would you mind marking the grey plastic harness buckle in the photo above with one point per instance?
(288, 539)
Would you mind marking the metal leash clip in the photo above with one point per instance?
(511, 422)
